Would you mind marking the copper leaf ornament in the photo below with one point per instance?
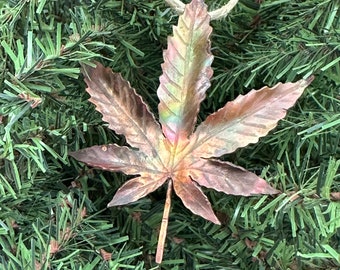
(174, 152)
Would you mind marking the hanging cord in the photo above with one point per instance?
(217, 14)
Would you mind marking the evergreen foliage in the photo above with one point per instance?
(53, 211)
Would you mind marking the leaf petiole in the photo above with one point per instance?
(164, 225)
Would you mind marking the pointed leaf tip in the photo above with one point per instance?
(186, 72)
(112, 157)
(122, 107)
(245, 119)
(309, 80)
(136, 188)
(228, 178)
(193, 198)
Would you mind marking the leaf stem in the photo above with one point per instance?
(164, 225)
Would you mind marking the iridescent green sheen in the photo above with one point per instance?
(186, 73)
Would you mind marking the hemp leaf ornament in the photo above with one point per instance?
(174, 152)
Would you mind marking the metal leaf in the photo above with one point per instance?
(228, 178)
(180, 157)
(123, 108)
(116, 158)
(186, 73)
(193, 198)
(137, 188)
(245, 120)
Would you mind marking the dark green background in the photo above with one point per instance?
(43, 192)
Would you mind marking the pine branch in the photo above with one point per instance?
(44, 114)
